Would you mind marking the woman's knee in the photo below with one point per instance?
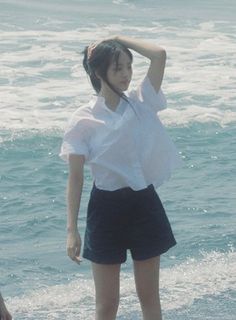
(148, 298)
(107, 309)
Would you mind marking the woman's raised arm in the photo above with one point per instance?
(155, 53)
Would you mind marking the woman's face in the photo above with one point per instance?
(120, 75)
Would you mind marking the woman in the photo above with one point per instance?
(119, 135)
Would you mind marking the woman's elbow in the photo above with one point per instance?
(160, 54)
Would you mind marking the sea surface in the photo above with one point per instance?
(42, 82)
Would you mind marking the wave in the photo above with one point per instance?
(55, 123)
(196, 114)
(42, 80)
(210, 275)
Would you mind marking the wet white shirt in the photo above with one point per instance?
(125, 147)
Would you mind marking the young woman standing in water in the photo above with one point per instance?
(119, 135)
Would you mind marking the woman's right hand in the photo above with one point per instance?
(74, 246)
(93, 45)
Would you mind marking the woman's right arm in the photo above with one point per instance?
(74, 193)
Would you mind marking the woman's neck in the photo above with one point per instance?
(111, 98)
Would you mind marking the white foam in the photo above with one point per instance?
(184, 117)
(42, 79)
(124, 3)
(214, 273)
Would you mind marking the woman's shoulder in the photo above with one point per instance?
(80, 120)
(82, 112)
(145, 94)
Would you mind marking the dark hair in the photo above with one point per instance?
(99, 61)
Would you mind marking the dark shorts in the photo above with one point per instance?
(126, 219)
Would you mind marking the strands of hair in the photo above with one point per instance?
(97, 62)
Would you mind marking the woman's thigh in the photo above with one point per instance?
(146, 274)
(107, 282)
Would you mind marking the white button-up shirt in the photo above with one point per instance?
(125, 147)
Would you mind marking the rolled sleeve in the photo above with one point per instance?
(74, 141)
(147, 94)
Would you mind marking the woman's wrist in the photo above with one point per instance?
(72, 229)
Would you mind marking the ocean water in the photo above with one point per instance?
(42, 83)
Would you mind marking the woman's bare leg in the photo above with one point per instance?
(107, 286)
(146, 274)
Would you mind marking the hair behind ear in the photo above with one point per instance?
(96, 82)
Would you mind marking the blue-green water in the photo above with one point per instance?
(42, 82)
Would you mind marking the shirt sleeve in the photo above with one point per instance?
(75, 140)
(147, 94)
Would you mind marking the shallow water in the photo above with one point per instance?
(42, 82)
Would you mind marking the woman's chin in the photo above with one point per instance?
(123, 87)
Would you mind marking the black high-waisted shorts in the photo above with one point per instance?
(126, 219)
